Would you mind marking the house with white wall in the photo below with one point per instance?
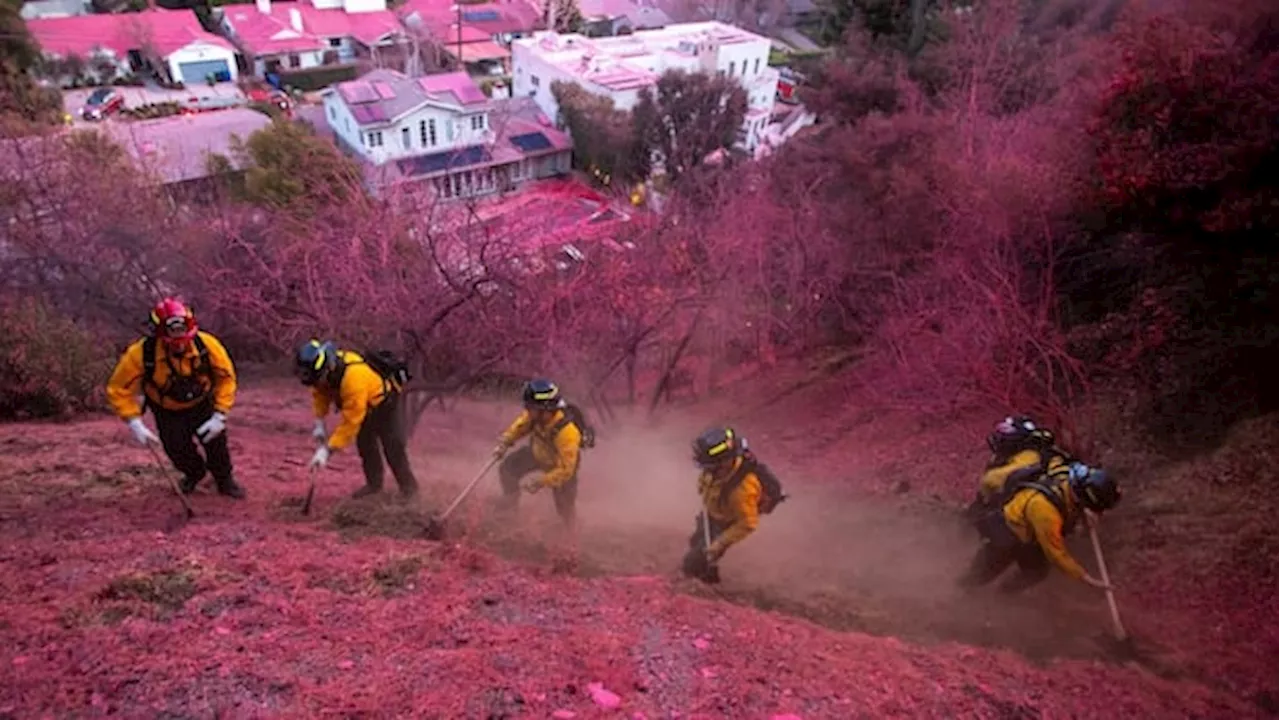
(277, 36)
(33, 9)
(170, 42)
(440, 130)
(620, 67)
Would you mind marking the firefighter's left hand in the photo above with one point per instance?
(533, 485)
(714, 553)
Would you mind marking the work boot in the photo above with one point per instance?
(409, 493)
(366, 491)
(229, 487)
(188, 484)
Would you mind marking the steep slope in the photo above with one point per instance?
(250, 610)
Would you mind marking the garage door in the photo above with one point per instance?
(198, 72)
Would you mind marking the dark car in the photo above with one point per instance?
(101, 103)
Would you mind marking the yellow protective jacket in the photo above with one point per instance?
(1033, 518)
(556, 453)
(360, 390)
(126, 382)
(740, 510)
(996, 474)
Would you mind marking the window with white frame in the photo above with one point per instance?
(477, 122)
(756, 71)
(406, 138)
(374, 139)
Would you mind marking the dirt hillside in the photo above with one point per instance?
(843, 605)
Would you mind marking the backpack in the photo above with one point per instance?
(1035, 478)
(772, 496)
(573, 414)
(389, 365)
(149, 351)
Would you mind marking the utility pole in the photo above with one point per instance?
(551, 16)
(458, 8)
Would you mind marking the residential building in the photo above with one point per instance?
(169, 42)
(442, 130)
(606, 18)
(620, 67)
(478, 35)
(55, 8)
(175, 150)
(283, 36)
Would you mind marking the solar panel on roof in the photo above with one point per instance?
(531, 142)
(480, 15)
(357, 92)
(439, 162)
(365, 114)
(384, 91)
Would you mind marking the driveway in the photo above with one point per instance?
(73, 100)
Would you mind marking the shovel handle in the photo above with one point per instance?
(1106, 578)
(173, 484)
(311, 491)
(467, 490)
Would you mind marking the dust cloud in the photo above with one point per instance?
(885, 566)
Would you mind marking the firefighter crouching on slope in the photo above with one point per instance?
(1016, 443)
(187, 379)
(1029, 526)
(735, 489)
(557, 436)
(370, 407)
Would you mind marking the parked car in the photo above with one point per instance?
(101, 103)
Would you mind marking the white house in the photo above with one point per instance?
(55, 8)
(442, 129)
(170, 42)
(620, 67)
(299, 35)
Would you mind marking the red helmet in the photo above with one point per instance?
(173, 321)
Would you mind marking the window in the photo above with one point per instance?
(374, 139)
(477, 122)
(731, 67)
(757, 68)
(335, 42)
(431, 132)
(406, 138)
(295, 61)
(533, 79)
(333, 115)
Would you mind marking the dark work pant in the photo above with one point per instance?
(1000, 549)
(177, 430)
(384, 426)
(695, 561)
(520, 463)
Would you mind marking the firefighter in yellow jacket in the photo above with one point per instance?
(188, 381)
(1029, 527)
(369, 404)
(734, 494)
(554, 451)
(1017, 443)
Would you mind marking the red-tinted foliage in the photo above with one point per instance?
(1187, 130)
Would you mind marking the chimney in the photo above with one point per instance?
(264, 6)
(295, 18)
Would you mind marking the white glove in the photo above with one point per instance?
(318, 433)
(320, 459)
(141, 433)
(212, 427)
